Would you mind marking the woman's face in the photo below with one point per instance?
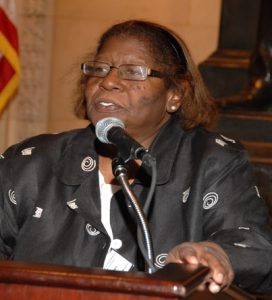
(141, 105)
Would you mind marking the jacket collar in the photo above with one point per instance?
(80, 159)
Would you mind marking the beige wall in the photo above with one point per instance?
(56, 34)
(78, 24)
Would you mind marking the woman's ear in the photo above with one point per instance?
(176, 96)
(173, 101)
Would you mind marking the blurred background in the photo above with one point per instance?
(54, 36)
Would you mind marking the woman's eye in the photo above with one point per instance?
(134, 71)
(100, 70)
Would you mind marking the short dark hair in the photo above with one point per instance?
(168, 50)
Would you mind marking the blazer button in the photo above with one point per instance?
(116, 244)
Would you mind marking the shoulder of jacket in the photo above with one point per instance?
(43, 143)
(213, 144)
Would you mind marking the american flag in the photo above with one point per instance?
(9, 52)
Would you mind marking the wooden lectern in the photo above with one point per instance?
(21, 281)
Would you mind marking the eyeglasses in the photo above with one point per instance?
(128, 72)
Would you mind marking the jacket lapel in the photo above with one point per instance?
(78, 167)
(164, 148)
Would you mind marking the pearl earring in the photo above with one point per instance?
(173, 108)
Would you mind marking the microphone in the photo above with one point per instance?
(111, 131)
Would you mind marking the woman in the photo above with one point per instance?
(59, 190)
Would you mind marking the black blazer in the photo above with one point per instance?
(50, 202)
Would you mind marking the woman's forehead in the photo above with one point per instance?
(129, 46)
(136, 41)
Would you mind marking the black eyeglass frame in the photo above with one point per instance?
(149, 72)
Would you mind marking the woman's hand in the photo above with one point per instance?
(207, 254)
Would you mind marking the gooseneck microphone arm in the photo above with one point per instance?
(120, 172)
(111, 131)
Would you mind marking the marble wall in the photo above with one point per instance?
(27, 113)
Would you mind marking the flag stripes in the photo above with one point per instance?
(9, 59)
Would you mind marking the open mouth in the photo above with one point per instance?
(107, 106)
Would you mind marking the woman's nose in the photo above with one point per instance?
(112, 80)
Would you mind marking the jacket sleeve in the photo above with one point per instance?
(8, 223)
(236, 218)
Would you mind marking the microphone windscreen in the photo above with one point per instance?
(104, 125)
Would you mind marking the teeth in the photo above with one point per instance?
(106, 103)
